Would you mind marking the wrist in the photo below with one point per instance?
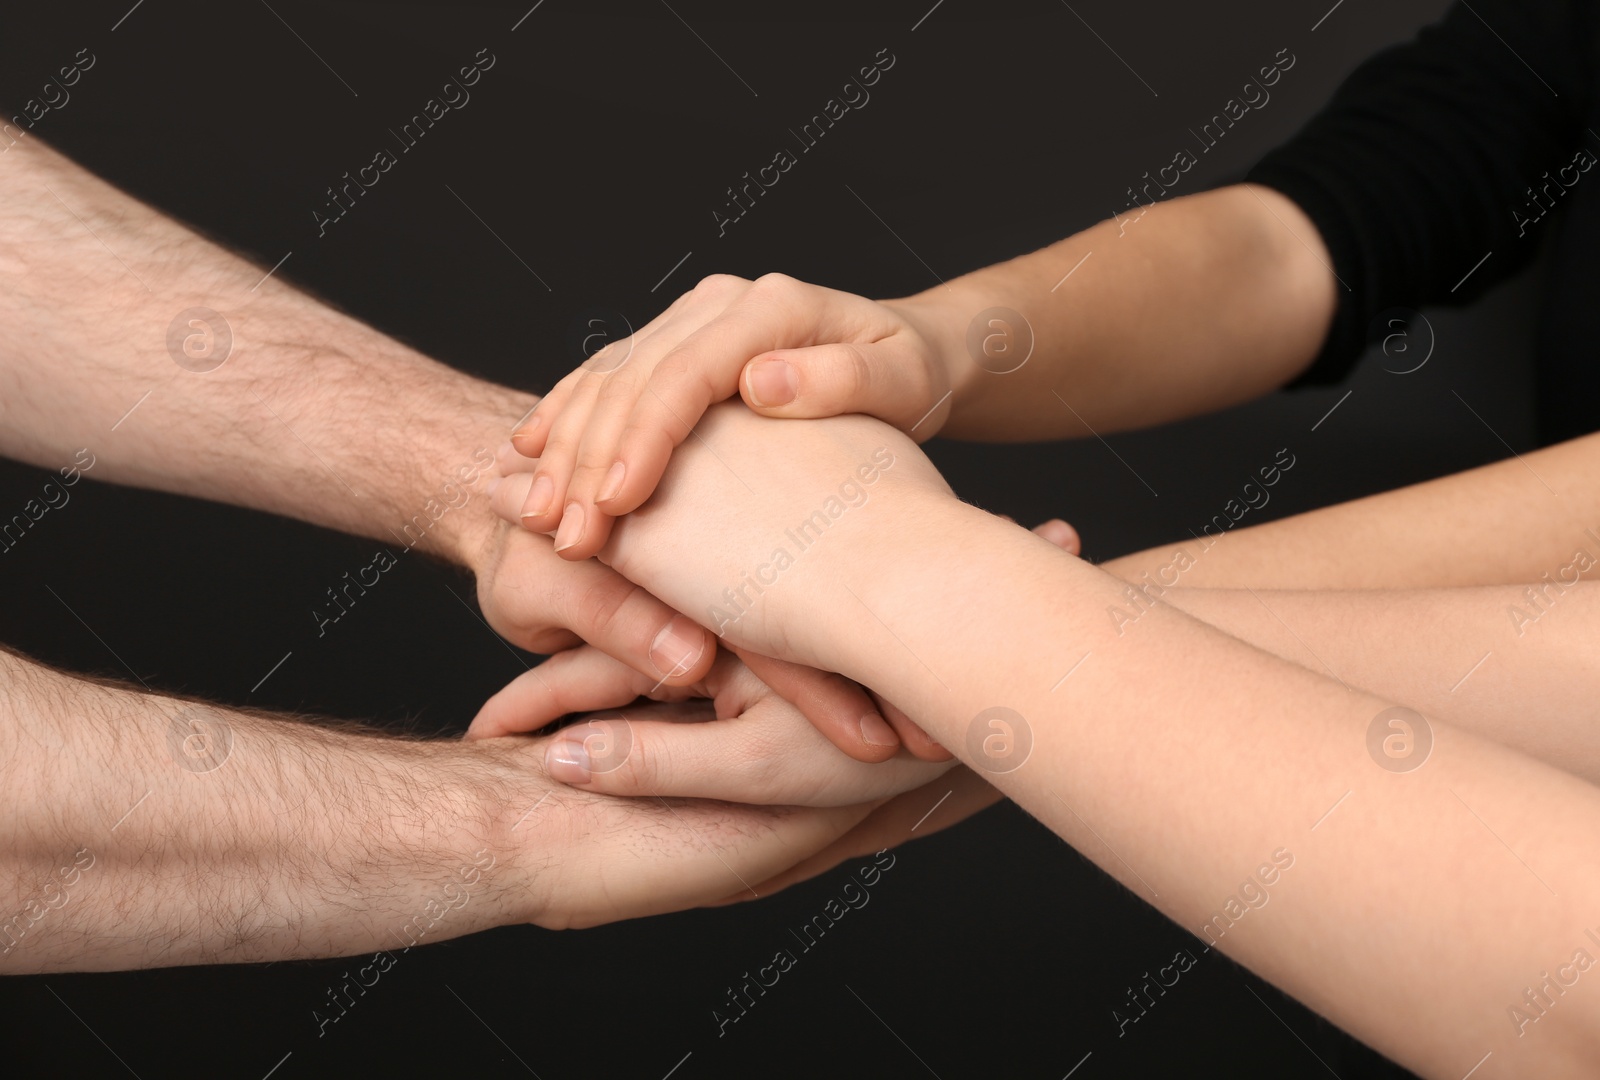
(510, 817)
(876, 581)
(937, 322)
(442, 506)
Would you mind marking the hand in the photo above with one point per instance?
(937, 805)
(577, 859)
(739, 741)
(539, 601)
(758, 522)
(851, 719)
(605, 432)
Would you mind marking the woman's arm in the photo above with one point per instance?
(1529, 519)
(1514, 665)
(1414, 909)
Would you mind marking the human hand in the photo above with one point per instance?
(543, 603)
(568, 858)
(799, 510)
(728, 737)
(605, 432)
(864, 726)
(948, 800)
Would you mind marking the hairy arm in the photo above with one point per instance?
(182, 367)
(138, 830)
(266, 398)
(142, 830)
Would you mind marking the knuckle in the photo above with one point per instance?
(776, 283)
(680, 371)
(621, 385)
(645, 766)
(855, 371)
(713, 286)
(601, 605)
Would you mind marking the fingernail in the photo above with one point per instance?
(613, 483)
(567, 761)
(529, 425)
(773, 382)
(571, 530)
(877, 732)
(539, 497)
(677, 647)
(524, 432)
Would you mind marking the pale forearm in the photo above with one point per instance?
(1200, 303)
(1522, 520)
(312, 414)
(143, 831)
(1178, 758)
(1508, 663)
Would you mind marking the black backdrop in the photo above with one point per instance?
(596, 149)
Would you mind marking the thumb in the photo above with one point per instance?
(881, 378)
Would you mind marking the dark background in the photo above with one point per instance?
(597, 148)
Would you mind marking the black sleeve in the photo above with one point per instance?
(1421, 163)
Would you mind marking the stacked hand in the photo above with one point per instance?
(597, 449)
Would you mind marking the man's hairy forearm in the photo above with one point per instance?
(311, 414)
(140, 830)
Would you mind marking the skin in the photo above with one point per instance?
(1205, 301)
(306, 841)
(1170, 741)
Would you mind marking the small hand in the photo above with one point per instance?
(604, 434)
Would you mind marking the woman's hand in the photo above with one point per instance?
(729, 737)
(605, 432)
(737, 531)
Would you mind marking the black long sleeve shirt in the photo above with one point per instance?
(1439, 166)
